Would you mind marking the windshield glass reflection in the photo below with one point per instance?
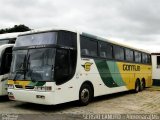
(33, 64)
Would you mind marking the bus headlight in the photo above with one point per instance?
(10, 86)
(43, 88)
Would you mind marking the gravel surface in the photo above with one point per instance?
(145, 102)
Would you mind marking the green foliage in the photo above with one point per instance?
(16, 28)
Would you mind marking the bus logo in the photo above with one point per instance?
(127, 67)
(87, 66)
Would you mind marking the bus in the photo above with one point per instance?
(156, 68)
(56, 66)
(6, 44)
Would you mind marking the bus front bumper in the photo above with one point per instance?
(46, 98)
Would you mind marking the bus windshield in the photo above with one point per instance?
(37, 39)
(33, 64)
(34, 56)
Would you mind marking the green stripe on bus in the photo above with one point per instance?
(38, 83)
(105, 73)
(115, 73)
(32, 83)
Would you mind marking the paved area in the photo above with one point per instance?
(145, 102)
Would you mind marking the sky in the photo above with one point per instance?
(132, 22)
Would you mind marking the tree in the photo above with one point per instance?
(16, 28)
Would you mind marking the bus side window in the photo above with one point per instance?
(118, 52)
(158, 62)
(149, 59)
(137, 57)
(105, 50)
(89, 46)
(6, 61)
(129, 54)
(144, 58)
(64, 65)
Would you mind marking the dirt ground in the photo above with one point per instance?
(145, 102)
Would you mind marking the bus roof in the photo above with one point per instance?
(9, 35)
(82, 33)
(46, 30)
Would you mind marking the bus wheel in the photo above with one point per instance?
(143, 85)
(137, 86)
(85, 95)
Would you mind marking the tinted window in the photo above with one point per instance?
(144, 58)
(149, 59)
(158, 61)
(129, 54)
(39, 62)
(137, 56)
(105, 50)
(118, 53)
(6, 61)
(11, 41)
(61, 66)
(65, 65)
(37, 39)
(67, 39)
(88, 46)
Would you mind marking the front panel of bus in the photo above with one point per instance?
(42, 61)
(5, 64)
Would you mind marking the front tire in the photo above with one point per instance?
(85, 95)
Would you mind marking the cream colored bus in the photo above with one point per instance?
(57, 66)
(6, 44)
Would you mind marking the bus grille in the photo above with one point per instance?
(18, 86)
(29, 87)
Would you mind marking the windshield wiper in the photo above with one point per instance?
(22, 69)
(28, 69)
(19, 71)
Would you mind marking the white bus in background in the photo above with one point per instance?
(6, 44)
(156, 68)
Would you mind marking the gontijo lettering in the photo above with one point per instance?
(127, 67)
